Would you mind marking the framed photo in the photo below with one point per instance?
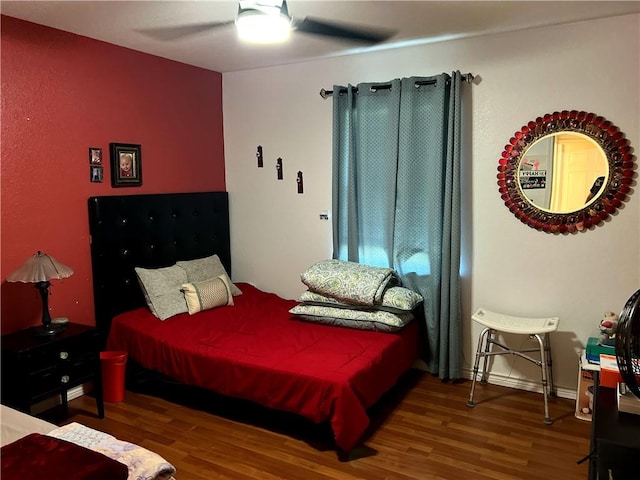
(95, 156)
(95, 174)
(126, 165)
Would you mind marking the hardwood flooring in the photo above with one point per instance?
(422, 430)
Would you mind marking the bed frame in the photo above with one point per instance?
(150, 231)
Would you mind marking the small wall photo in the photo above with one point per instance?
(126, 165)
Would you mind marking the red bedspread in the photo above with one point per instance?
(256, 350)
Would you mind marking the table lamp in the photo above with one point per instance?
(39, 269)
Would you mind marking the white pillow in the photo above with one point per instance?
(161, 288)
(206, 295)
(206, 268)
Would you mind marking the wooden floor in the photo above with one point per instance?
(422, 430)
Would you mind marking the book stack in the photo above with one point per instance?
(627, 401)
(596, 347)
(609, 372)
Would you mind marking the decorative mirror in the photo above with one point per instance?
(566, 172)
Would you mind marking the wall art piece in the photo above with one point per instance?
(95, 174)
(279, 169)
(259, 155)
(566, 172)
(95, 156)
(300, 183)
(126, 165)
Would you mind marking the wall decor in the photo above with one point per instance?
(95, 174)
(566, 172)
(259, 155)
(279, 169)
(95, 156)
(126, 165)
(300, 183)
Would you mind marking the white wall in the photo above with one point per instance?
(508, 267)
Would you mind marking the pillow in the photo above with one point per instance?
(401, 298)
(354, 318)
(206, 268)
(208, 294)
(161, 288)
(394, 299)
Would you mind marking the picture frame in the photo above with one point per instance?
(95, 174)
(95, 156)
(126, 164)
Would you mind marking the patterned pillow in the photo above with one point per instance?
(394, 299)
(161, 288)
(206, 268)
(377, 320)
(208, 294)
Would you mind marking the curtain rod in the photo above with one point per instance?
(466, 77)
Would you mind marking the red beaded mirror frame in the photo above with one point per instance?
(614, 192)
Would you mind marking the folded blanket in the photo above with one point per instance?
(38, 456)
(143, 464)
(394, 300)
(349, 282)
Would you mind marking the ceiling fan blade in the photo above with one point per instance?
(183, 31)
(342, 30)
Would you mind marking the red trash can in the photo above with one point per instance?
(113, 366)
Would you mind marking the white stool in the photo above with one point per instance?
(536, 328)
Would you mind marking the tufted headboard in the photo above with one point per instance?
(150, 231)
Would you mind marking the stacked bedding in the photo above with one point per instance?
(353, 295)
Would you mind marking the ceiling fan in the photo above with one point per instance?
(270, 22)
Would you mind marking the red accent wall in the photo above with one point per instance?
(61, 94)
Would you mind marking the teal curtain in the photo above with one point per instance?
(396, 195)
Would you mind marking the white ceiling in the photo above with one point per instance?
(128, 23)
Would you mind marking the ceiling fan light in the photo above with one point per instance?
(258, 27)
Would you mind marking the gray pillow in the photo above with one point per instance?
(161, 288)
(207, 268)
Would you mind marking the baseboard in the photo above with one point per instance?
(52, 402)
(523, 384)
(506, 381)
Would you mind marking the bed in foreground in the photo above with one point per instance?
(34, 449)
(248, 346)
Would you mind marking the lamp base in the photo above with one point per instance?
(46, 330)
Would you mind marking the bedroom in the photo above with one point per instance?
(85, 93)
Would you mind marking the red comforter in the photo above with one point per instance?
(256, 350)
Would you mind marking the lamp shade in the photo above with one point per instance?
(40, 268)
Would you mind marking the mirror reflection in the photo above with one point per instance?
(563, 172)
(566, 172)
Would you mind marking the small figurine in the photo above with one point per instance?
(608, 326)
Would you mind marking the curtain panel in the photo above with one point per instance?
(396, 195)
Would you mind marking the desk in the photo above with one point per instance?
(615, 439)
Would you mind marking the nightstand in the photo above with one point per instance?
(36, 368)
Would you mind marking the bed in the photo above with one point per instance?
(255, 349)
(33, 449)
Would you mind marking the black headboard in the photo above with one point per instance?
(150, 231)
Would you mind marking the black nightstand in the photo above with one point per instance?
(36, 368)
